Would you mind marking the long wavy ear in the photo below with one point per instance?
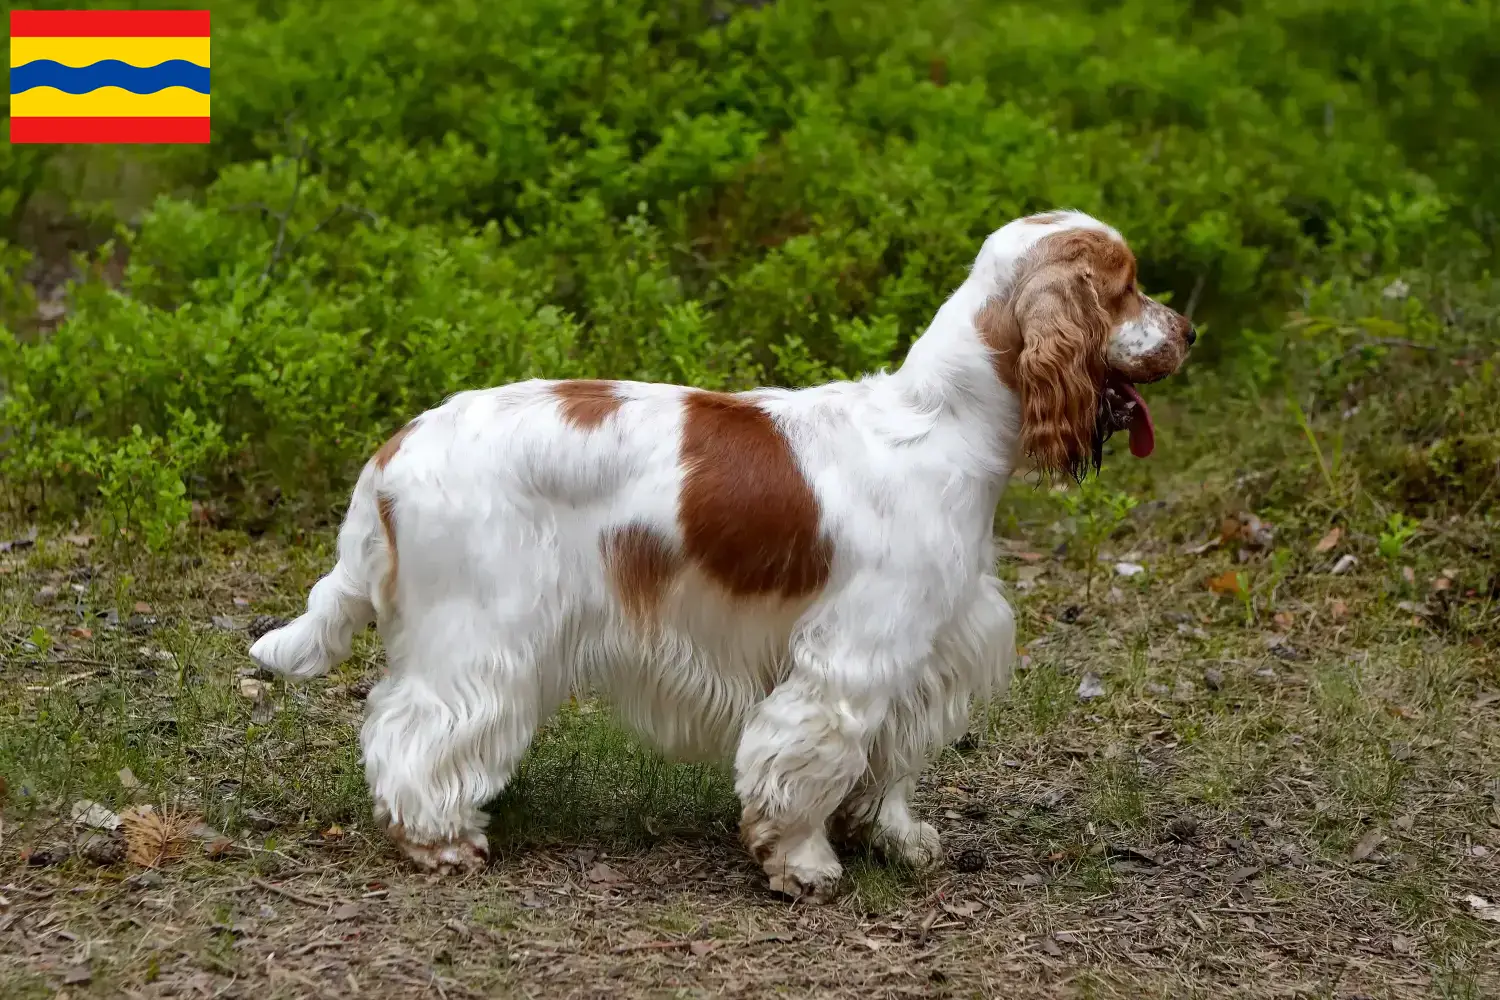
(1061, 368)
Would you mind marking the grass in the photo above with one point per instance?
(1191, 832)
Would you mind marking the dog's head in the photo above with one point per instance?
(1073, 335)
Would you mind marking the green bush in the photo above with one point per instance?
(401, 202)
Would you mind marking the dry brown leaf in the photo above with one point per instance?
(1329, 540)
(142, 608)
(701, 948)
(153, 838)
(1366, 845)
(1228, 582)
(1338, 609)
(605, 875)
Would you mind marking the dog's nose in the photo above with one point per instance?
(1192, 335)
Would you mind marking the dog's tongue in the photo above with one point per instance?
(1142, 433)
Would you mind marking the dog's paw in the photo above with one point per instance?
(463, 855)
(918, 845)
(814, 888)
(808, 870)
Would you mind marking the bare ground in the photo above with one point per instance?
(1281, 785)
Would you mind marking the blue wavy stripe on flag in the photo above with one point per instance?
(109, 73)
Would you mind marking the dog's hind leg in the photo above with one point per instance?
(444, 734)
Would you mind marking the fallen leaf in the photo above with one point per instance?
(1338, 609)
(701, 948)
(334, 832)
(77, 975)
(1213, 678)
(1404, 823)
(86, 812)
(1129, 569)
(1228, 582)
(80, 632)
(346, 911)
(218, 847)
(1090, 687)
(127, 777)
(605, 875)
(1345, 564)
(1283, 619)
(1367, 845)
(252, 688)
(964, 910)
(1329, 540)
(1241, 874)
(1051, 947)
(142, 608)
(1483, 908)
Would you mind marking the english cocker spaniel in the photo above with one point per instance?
(801, 581)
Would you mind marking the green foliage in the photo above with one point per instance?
(460, 195)
(1095, 512)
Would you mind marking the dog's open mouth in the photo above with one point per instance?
(1122, 408)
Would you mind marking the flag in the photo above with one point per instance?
(108, 76)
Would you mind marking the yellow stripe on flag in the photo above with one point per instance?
(109, 102)
(83, 51)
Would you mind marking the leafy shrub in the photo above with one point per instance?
(456, 195)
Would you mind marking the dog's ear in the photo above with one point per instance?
(1061, 367)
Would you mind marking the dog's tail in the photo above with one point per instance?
(340, 604)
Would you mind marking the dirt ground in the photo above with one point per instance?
(1192, 791)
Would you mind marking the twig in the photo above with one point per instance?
(651, 946)
(1192, 302)
(283, 218)
(261, 883)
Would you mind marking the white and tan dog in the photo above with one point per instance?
(802, 581)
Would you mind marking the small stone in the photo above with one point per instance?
(1182, 828)
(45, 596)
(102, 849)
(46, 857)
(971, 861)
(77, 975)
(1090, 687)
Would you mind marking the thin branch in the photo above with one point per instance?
(284, 218)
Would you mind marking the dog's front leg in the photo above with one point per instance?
(801, 752)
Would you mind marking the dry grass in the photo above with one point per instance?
(1287, 788)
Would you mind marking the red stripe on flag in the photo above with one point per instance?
(109, 23)
(113, 130)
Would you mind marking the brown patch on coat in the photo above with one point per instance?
(749, 518)
(1045, 218)
(587, 403)
(641, 565)
(385, 505)
(387, 451)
